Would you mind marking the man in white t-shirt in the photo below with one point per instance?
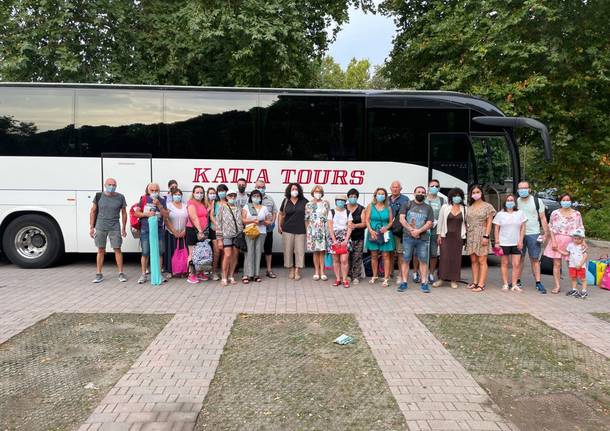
(534, 238)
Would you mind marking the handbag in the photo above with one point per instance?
(251, 230)
(381, 238)
(338, 249)
(497, 250)
(240, 239)
(180, 259)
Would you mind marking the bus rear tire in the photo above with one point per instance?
(32, 241)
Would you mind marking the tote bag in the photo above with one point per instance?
(180, 259)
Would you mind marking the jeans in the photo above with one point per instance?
(419, 246)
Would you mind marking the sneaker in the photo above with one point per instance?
(192, 278)
(215, 277)
(202, 277)
(430, 278)
(122, 277)
(403, 286)
(572, 292)
(143, 279)
(355, 281)
(399, 280)
(346, 283)
(519, 283)
(539, 287)
(98, 278)
(437, 283)
(416, 277)
(425, 288)
(163, 279)
(583, 294)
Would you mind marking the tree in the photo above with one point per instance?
(549, 60)
(356, 76)
(268, 43)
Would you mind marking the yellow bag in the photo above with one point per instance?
(251, 231)
(600, 270)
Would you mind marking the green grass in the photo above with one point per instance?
(603, 316)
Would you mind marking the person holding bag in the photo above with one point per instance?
(229, 232)
(340, 232)
(196, 227)
(256, 218)
(177, 250)
(378, 218)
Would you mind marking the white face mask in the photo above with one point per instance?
(294, 193)
(317, 195)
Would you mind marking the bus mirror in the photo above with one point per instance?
(520, 122)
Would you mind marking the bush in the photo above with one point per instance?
(597, 222)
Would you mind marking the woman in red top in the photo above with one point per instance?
(196, 225)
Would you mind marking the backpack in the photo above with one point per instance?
(134, 220)
(202, 254)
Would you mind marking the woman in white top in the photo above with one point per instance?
(175, 225)
(451, 233)
(340, 230)
(255, 213)
(509, 231)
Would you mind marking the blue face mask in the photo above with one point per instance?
(231, 201)
(456, 200)
(510, 205)
(154, 195)
(262, 190)
(352, 201)
(340, 204)
(222, 195)
(110, 189)
(433, 190)
(380, 198)
(177, 198)
(256, 200)
(523, 193)
(565, 204)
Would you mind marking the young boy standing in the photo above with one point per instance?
(577, 259)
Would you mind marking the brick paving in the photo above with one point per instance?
(158, 393)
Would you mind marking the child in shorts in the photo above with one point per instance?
(576, 251)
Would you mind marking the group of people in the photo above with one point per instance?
(428, 233)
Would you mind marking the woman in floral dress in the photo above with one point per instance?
(479, 217)
(564, 221)
(318, 236)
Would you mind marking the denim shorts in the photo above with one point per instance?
(419, 245)
(145, 244)
(531, 246)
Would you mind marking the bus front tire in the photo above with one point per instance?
(32, 241)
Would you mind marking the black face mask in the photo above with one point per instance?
(241, 188)
(420, 198)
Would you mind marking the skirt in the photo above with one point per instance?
(562, 243)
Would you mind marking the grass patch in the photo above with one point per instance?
(603, 316)
(284, 372)
(45, 369)
(539, 377)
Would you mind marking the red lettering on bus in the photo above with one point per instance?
(316, 177)
(263, 176)
(301, 179)
(357, 177)
(287, 173)
(249, 175)
(200, 175)
(221, 176)
(236, 173)
(339, 177)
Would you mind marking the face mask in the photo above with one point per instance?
(154, 195)
(294, 193)
(110, 189)
(241, 188)
(476, 196)
(566, 204)
(262, 190)
(380, 198)
(456, 200)
(420, 198)
(256, 201)
(352, 201)
(198, 196)
(433, 190)
(231, 201)
(340, 204)
(510, 205)
(177, 198)
(523, 193)
(222, 195)
(317, 195)
(212, 197)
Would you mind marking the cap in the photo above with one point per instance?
(340, 198)
(231, 192)
(579, 232)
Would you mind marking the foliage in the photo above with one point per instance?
(356, 75)
(597, 222)
(549, 60)
(268, 43)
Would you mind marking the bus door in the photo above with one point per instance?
(449, 160)
(494, 167)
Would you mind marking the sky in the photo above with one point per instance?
(365, 36)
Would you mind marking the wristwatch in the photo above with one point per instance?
(486, 236)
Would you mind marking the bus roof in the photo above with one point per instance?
(375, 98)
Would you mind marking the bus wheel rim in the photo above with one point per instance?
(31, 242)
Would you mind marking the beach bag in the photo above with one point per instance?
(591, 273)
(251, 231)
(155, 260)
(202, 254)
(134, 221)
(180, 260)
(605, 282)
(328, 262)
(601, 270)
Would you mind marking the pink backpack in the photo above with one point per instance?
(180, 259)
(605, 282)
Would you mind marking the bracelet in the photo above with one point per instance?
(486, 236)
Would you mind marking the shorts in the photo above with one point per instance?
(510, 249)
(212, 235)
(268, 245)
(578, 273)
(531, 246)
(145, 244)
(191, 236)
(101, 238)
(398, 244)
(420, 247)
(228, 242)
(433, 245)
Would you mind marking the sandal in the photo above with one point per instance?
(337, 282)
(471, 285)
(386, 282)
(271, 274)
(505, 288)
(478, 288)
(224, 282)
(258, 279)
(245, 280)
(232, 280)
(556, 290)
(516, 288)
(373, 280)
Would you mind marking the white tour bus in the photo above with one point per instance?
(59, 141)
